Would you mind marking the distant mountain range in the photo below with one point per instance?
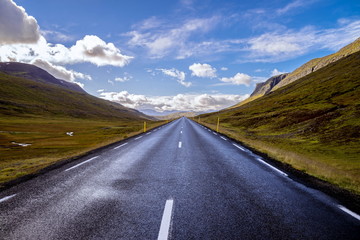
(27, 90)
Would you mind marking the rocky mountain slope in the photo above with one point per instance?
(319, 63)
(276, 82)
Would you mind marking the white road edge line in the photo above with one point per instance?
(274, 168)
(223, 138)
(180, 144)
(138, 137)
(7, 198)
(81, 163)
(351, 213)
(120, 146)
(242, 149)
(148, 133)
(166, 220)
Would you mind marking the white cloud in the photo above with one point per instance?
(90, 49)
(238, 79)
(169, 39)
(94, 50)
(60, 72)
(224, 69)
(179, 102)
(179, 75)
(202, 70)
(100, 90)
(293, 5)
(276, 72)
(125, 78)
(16, 26)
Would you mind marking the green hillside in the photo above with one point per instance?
(312, 124)
(41, 124)
(20, 96)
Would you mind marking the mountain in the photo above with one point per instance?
(313, 65)
(178, 115)
(265, 87)
(151, 112)
(311, 123)
(318, 63)
(34, 73)
(27, 90)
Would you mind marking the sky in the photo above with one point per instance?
(160, 56)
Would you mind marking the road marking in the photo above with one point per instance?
(148, 133)
(180, 144)
(239, 147)
(181, 132)
(138, 137)
(209, 130)
(166, 220)
(351, 213)
(81, 163)
(281, 172)
(214, 133)
(120, 146)
(223, 138)
(7, 198)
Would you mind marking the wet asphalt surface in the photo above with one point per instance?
(219, 191)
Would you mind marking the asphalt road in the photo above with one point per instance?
(181, 181)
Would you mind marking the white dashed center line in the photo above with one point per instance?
(180, 144)
(120, 146)
(7, 198)
(166, 220)
(81, 163)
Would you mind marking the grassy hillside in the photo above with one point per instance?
(40, 115)
(312, 124)
(22, 97)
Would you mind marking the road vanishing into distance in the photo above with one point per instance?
(179, 181)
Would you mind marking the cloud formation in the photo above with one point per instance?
(125, 78)
(179, 75)
(202, 70)
(60, 72)
(179, 102)
(16, 26)
(167, 38)
(238, 79)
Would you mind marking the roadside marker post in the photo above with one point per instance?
(217, 126)
(144, 126)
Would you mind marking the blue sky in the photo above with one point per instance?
(173, 55)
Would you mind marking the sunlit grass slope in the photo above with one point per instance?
(41, 115)
(312, 124)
